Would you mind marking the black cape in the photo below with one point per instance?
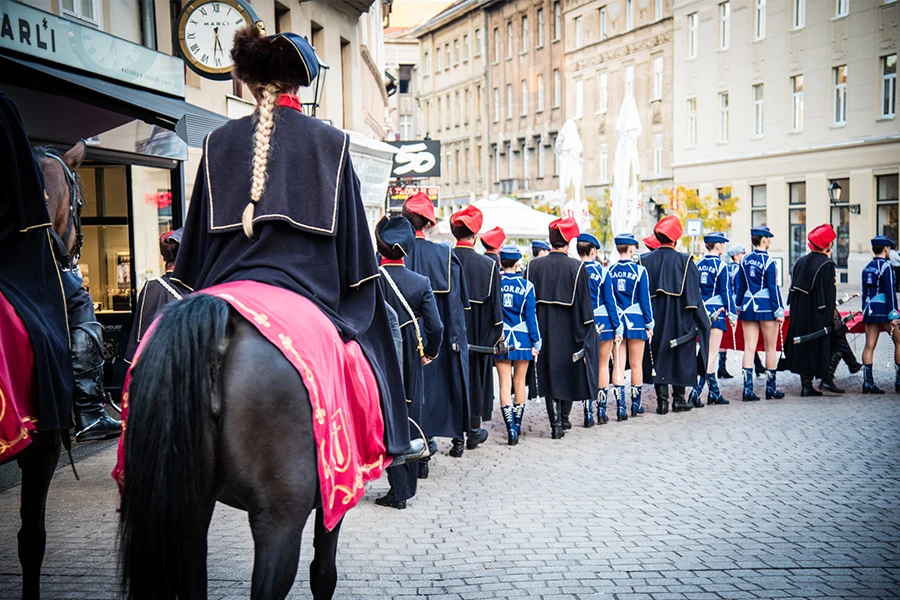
(447, 377)
(677, 309)
(29, 275)
(484, 326)
(812, 301)
(416, 290)
(155, 295)
(566, 321)
(310, 237)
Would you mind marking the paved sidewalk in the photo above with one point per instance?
(797, 498)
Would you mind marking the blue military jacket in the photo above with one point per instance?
(631, 290)
(520, 326)
(606, 316)
(879, 299)
(715, 288)
(756, 289)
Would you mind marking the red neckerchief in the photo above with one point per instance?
(462, 244)
(420, 235)
(387, 261)
(291, 101)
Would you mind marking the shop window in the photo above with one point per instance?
(757, 205)
(797, 229)
(840, 220)
(887, 205)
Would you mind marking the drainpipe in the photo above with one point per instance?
(148, 23)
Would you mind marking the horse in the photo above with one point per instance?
(217, 413)
(64, 199)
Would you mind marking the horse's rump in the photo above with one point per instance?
(343, 392)
(17, 379)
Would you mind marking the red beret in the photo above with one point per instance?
(420, 204)
(651, 242)
(821, 236)
(494, 238)
(567, 227)
(470, 217)
(670, 227)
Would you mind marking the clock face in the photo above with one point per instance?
(206, 31)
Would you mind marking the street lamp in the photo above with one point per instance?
(834, 191)
(310, 107)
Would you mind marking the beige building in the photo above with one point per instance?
(780, 99)
(616, 48)
(402, 61)
(526, 95)
(451, 100)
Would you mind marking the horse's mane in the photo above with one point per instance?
(44, 153)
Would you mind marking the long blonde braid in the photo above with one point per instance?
(265, 125)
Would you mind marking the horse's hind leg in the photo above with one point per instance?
(323, 570)
(276, 541)
(37, 466)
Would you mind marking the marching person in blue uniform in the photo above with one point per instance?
(411, 297)
(880, 312)
(718, 297)
(631, 290)
(523, 340)
(732, 266)
(447, 377)
(539, 248)
(761, 310)
(606, 321)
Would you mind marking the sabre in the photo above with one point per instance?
(847, 298)
(652, 362)
(802, 339)
(781, 337)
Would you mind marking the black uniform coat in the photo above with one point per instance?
(812, 300)
(416, 290)
(484, 326)
(29, 275)
(566, 320)
(155, 295)
(310, 237)
(447, 377)
(678, 309)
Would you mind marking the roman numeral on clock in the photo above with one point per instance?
(195, 48)
(216, 8)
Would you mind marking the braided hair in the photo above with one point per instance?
(265, 125)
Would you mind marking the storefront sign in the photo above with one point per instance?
(48, 37)
(399, 194)
(417, 159)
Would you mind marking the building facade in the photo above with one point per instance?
(784, 100)
(402, 62)
(614, 49)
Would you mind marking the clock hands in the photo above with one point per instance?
(218, 43)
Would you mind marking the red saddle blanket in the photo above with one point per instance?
(735, 340)
(17, 401)
(343, 391)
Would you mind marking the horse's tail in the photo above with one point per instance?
(170, 395)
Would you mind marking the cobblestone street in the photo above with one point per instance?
(798, 498)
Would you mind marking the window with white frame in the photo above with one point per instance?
(657, 77)
(888, 85)
(478, 42)
(758, 114)
(579, 98)
(90, 11)
(797, 102)
(839, 74)
(603, 95)
(509, 160)
(428, 115)
(629, 15)
(524, 33)
(497, 162)
(604, 160)
(438, 55)
(509, 39)
(526, 162)
(447, 52)
(496, 104)
(757, 205)
(579, 32)
(524, 97)
(657, 154)
(557, 88)
(724, 25)
(496, 44)
(629, 80)
(456, 51)
(449, 167)
(540, 92)
(693, 22)
(452, 111)
(406, 125)
(841, 8)
(427, 62)
(466, 48)
(799, 13)
(540, 31)
(692, 121)
(467, 106)
(724, 117)
(759, 19)
(540, 156)
(603, 34)
(658, 10)
(479, 102)
(557, 22)
(509, 101)
(458, 166)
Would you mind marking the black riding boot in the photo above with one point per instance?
(806, 387)
(723, 372)
(679, 404)
(477, 435)
(553, 415)
(662, 399)
(91, 420)
(565, 407)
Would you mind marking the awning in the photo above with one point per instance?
(191, 123)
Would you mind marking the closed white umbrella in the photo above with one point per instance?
(570, 157)
(626, 190)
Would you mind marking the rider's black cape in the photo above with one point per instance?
(310, 236)
(812, 301)
(155, 295)
(29, 275)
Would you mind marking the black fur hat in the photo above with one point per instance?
(285, 59)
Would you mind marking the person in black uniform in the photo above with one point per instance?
(411, 297)
(680, 319)
(156, 293)
(447, 377)
(492, 240)
(484, 323)
(539, 248)
(567, 366)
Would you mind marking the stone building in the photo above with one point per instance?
(784, 100)
(616, 48)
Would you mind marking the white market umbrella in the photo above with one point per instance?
(517, 220)
(625, 211)
(570, 157)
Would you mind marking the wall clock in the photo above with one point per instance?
(205, 34)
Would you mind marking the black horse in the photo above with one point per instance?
(216, 413)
